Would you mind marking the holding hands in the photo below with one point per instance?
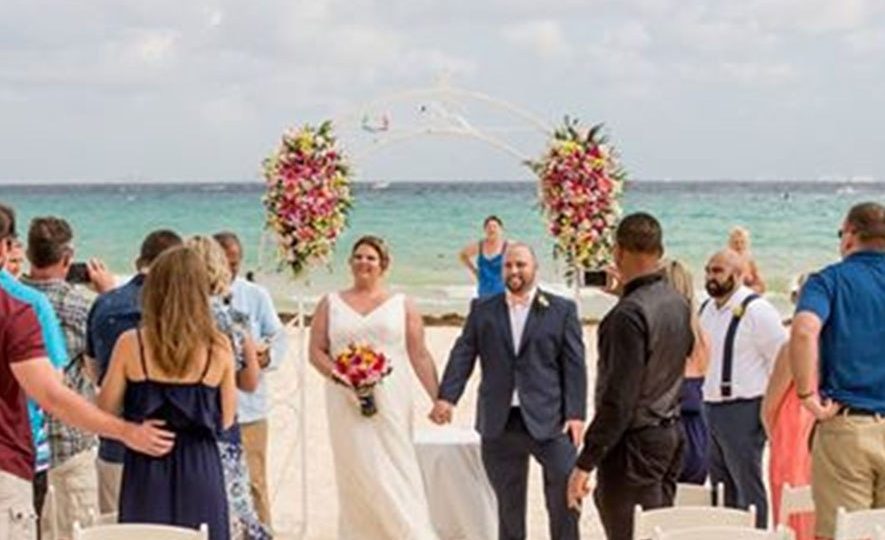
(441, 412)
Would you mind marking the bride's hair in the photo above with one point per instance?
(378, 244)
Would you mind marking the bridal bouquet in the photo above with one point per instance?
(581, 181)
(308, 195)
(363, 367)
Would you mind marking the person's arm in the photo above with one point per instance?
(113, 387)
(624, 352)
(699, 359)
(419, 355)
(812, 311)
(273, 332)
(778, 384)
(228, 385)
(249, 375)
(468, 258)
(756, 278)
(573, 361)
(462, 360)
(319, 354)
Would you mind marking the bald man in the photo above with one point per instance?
(532, 395)
(746, 333)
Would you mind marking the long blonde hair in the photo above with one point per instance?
(679, 277)
(216, 263)
(176, 316)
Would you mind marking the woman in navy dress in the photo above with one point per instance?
(485, 259)
(696, 460)
(178, 370)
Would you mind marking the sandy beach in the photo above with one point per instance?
(322, 495)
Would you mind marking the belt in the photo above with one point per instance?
(851, 411)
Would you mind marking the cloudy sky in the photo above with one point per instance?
(105, 90)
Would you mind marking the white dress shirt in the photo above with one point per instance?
(519, 314)
(759, 337)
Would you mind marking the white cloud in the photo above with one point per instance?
(543, 37)
(868, 41)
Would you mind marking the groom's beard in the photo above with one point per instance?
(518, 285)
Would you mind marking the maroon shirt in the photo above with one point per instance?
(20, 340)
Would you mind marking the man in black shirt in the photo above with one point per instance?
(634, 441)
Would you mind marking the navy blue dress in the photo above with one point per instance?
(696, 459)
(185, 487)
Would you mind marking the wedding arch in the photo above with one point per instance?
(579, 183)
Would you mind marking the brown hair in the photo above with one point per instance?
(49, 240)
(378, 244)
(213, 257)
(176, 315)
(7, 222)
(679, 277)
(156, 243)
(640, 233)
(868, 219)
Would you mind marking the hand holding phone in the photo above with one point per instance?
(78, 274)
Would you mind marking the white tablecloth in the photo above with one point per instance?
(462, 503)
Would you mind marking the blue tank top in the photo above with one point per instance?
(490, 280)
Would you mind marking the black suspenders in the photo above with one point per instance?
(728, 347)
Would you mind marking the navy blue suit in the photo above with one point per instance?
(548, 371)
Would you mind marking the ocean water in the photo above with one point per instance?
(793, 226)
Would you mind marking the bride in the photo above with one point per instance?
(380, 491)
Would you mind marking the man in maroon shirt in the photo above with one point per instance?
(25, 371)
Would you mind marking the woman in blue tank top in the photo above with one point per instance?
(485, 259)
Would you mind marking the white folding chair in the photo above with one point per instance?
(880, 533)
(860, 524)
(729, 533)
(130, 531)
(695, 495)
(101, 519)
(646, 522)
(794, 500)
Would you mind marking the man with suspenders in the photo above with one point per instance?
(746, 333)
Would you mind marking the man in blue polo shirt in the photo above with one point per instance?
(113, 313)
(838, 358)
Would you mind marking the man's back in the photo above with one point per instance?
(849, 298)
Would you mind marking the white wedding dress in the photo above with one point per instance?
(380, 491)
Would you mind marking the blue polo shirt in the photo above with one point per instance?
(56, 349)
(849, 298)
(111, 314)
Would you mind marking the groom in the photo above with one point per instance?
(532, 396)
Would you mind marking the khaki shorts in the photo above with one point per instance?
(110, 475)
(848, 468)
(76, 495)
(17, 518)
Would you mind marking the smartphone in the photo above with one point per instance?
(78, 273)
(595, 278)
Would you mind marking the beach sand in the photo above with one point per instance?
(322, 495)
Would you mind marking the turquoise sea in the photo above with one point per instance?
(793, 226)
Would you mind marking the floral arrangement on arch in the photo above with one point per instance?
(581, 181)
(308, 196)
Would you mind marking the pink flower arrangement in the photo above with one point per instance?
(308, 195)
(362, 367)
(581, 182)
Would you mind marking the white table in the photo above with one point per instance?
(462, 503)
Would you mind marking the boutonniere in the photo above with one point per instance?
(738, 311)
(543, 301)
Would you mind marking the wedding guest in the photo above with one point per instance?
(25, 371)
(634, 441)
(739, 242)
(113, 313)
(696, 460)
(15, 262)
(485, 258)
(380, 488)
(746, 333)
(268, 332)
(789, 427)
(72, 469)
(533, 394)
(177, 367)
(838, 331)
(55, 345)
(245, 522)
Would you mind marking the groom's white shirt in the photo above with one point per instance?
(519, 314)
